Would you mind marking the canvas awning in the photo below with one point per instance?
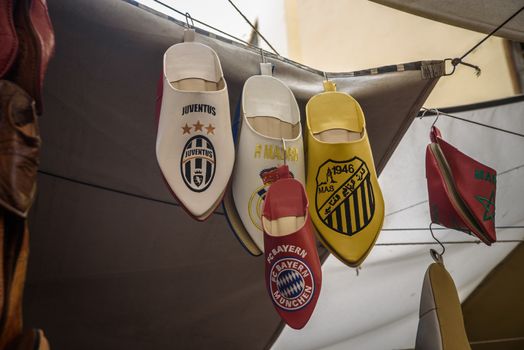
(478, 15)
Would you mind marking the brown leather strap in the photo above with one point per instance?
(15, 236)
(19, 149)
(32, 339)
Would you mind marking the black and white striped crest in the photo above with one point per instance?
(344, 198)
(197, 164)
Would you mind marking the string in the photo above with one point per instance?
(364, 72)
(500, 340)
(447, 242)
(109, 189)
(456, 61)
(442, 228)
(205, 24)
(492, 32)
(430, 114)
(253, 27)
(130, 194)
(499, 175)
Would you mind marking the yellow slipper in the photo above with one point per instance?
(348, 207)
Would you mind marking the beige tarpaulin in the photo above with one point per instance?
(478, 15)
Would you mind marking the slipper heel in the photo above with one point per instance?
(291, 201)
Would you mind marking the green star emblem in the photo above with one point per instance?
(488, 203)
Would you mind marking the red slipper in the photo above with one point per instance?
(461, 190)
(293, 272)
(36, 46)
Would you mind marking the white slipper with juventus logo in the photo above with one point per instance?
(269, 135)
(194, 145)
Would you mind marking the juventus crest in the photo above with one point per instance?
(197, 165)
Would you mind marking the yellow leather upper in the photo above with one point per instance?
(347, 206)
(449, 311)
(337, 111)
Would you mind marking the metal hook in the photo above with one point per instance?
(424, 113)
(285, 150)
(434, 110)
(357, 269)
(455, 62)
(188, 17)
(262, 55)
(325, 76)
(265, 67)
(438, 115)
(450, 60)
(436, 256)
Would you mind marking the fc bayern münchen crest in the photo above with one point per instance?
(198, 163)
(344, 197)
(292, 285)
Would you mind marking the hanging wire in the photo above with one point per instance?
(373, 71)
(84, 183)
(459, 60)
(443, 228)
(186, 15)
(109, 189)
(492, 32)
(430, 110)
(130, 194)
(253, 27)
(502, 173)
(493, 341)
(454, 61)
(205, 24)
(446, 242)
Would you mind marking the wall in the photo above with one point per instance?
(340, 35)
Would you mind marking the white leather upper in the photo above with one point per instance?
(192, 60)
(203, 116)
(263, 96)
(267, 96)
